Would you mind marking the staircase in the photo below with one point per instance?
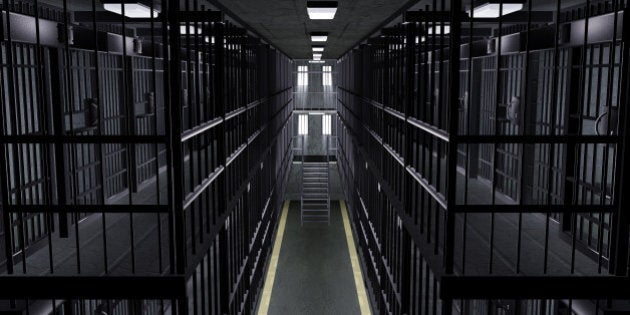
(315, 205)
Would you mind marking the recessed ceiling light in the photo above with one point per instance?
(317, 56)
(491, 9)
(319, 36)
(321, 10)
(132, 9)
(318, 48)
(316, 61)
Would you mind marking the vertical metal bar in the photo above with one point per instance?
(69, 100)
(191, 85)
(6, 218)
(101, 116)
(524, 131)
(466, 110)
(496, 129)
(552, 131)
(44, 129)
(175, 132)
(18, 166)
(453, 127)
(158, 190)
(607, 147)
(583, 79)
(127, 94)
(621, 220)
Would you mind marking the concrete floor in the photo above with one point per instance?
(93, 236)
(314, 274)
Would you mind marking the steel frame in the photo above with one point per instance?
(195, 129)
(409, 151)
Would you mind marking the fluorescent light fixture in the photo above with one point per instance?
(439, 29)
(316, 61)
(319, 36)
(491, 9)
(132, 10)
(191, 29)
(321, 10)
(318, 48)
(317, 56)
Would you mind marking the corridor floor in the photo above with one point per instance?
(314, 272)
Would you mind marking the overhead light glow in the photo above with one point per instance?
(318, 48)
(317, 56)
(189, 30)
(439, 29)
(319, 37)
(316, 61)
(321, 10)
(492, 10)
(132, 10)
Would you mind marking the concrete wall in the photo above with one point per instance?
(315, 141)
(314, 95)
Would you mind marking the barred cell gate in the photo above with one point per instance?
(501, 169)
(86, 161)
(539, 171)
(29, 163)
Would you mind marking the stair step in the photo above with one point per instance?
(315, 203)
(323, 203)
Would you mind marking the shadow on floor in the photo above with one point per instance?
(314, 274)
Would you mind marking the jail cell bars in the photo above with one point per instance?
(120, 161)
(506, 165)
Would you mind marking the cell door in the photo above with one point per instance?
(26, 110)
(94, 170)
(500, 165)
(546, 115)
(597, 93)
(148, 116)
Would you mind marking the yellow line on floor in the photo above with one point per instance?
(354, 260)
(273, 263)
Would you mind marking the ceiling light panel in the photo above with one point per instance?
(321, 10)
(492, 10)
(319, 37)
(132, 10)
(318, 48)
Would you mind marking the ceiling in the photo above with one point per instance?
(286, 25)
